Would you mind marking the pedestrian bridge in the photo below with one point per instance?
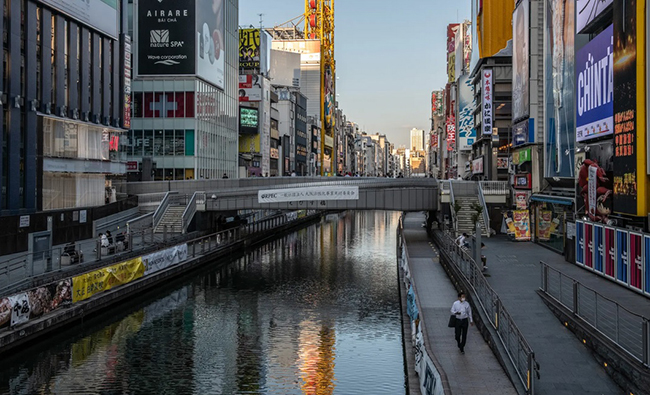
(295, 193)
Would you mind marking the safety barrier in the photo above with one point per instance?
(626, 329)
(519, 351)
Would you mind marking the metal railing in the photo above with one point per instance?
(484, 213)
(452, 203)
(519, 351)
(628, 330)
(139, 223)
(495, 187)
(162, 207)
(190, 210)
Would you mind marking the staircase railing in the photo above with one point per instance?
(495, 187)
(452, 203)
(486, 215)
(190, 210)
(160, 211)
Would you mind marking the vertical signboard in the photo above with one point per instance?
(636, 260)
(646, 264)
(625, 111)
(486, 83)
(559, 89)
(466, 107)
(126, 123)
(589, 245)
(249, 49)
(451, 133)
(621, 255)
(210, 36)
(166, 44)
(580, 242)
(599, 248)
(520, 62)
(595, 87)
(610, 252)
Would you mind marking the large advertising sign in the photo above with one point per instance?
(588, 11)
(520, 62)
(161, 260)
(250, 88)
(559, 95)
(308, 194)
(126, 123)
(89, 284)
(595, 85)
(625, 116)
(486, 80)
(249, 49)
(466, 107)
(96, 14)
(521, 219)
(210, 36)
(166, 45)
(437, 107)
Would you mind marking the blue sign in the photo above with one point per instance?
(595, 87)
(580, 243)
(599, 248)
(523, 132)
(466, 107)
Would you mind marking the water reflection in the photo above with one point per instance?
(315, 312)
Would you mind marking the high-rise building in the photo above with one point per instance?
(417, 139)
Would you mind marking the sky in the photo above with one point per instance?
(389, 56)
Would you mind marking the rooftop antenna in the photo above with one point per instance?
(261, 21)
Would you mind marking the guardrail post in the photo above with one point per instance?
(545, 277)
(497, 315)
(576, 310)
(98, 248)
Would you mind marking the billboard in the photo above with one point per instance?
(248, 120)
(588, 11)
(520, 62)
(210, 36)
(625, 111)
(559, 92)
(451, 132)
(101, 15)
(466, 106)
(486, 82)
(249, 49)
(452, 35)
(595, 87)
(164, 38)
(250, 88)
(437, 107)
(285, 68)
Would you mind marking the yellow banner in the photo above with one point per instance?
(88, 284)
(544, 225)
(521, 220)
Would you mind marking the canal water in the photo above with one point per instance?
(315, 312)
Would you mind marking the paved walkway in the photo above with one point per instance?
(567, 367)
(475, 372)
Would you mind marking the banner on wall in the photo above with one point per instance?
(20, 308)
(589, 245)
(308, 194)
(625, 111)
(161, 260)
(466, 107)
(636, 260)
(520, 62)
(89, 284)
(599, 251)
(521, 200)
(522, 225)
(621, 255)
(610, 252)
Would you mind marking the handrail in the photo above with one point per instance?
(609, 323)
(495, 187)
(486, 215)
(160, 211)
(135, 222)
(189, 212)
(493, 308)
(452, 202)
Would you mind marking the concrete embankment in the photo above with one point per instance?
(73, 299)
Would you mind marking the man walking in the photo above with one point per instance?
(463, 312)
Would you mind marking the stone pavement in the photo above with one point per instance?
(477, 372)
(567, 367)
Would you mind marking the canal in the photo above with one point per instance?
(314, 312)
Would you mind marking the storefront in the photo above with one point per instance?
(550, 215)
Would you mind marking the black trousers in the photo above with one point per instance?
(461, 332)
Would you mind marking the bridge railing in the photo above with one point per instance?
(191, 208)
(517, 348)
(162, 207)
(628, 330)
(495, 187)
(484, 213)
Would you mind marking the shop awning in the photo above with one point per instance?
(538, 197)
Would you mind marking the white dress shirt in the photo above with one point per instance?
(463, 308)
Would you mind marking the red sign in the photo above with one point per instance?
(132, 166)
(451, 133)
(114, 143)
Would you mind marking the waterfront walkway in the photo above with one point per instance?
(567, 366)
(475, 372)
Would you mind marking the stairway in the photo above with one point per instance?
(173, 218)
(464, 222)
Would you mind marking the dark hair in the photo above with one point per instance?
(465, 234)
(461, 294)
